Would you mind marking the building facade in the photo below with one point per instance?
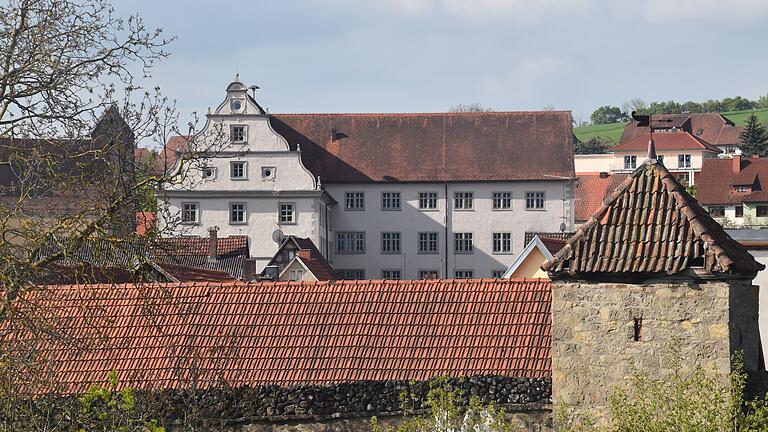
(732, 191)
(392, 196)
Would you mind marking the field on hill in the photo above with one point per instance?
(613, 131)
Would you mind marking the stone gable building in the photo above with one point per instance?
(649, 267)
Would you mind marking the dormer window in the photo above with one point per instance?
(237, 134)
(742, 188)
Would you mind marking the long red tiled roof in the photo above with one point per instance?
(714, 186)
(648, 225)
(666, 141)
(710, 127)
(236, 334)
(590, 191)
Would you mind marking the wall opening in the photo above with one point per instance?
(637, 329)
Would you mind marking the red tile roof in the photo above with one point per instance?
(314, 260)
(194, 274)
(710, 127)
(714, 186)
(590, 191)
(553, 245)
(666, 141)
(145, 221)
(650, 224)
(282, 333)
(188, 245)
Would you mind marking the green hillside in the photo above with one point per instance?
(613, 131)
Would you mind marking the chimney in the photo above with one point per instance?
(736, 164)
(603, 174)
(213, 244)
(249, 269)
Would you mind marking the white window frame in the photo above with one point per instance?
(391, 243)
(463, 274)
(352, 243)
(244, 210)
(196, 213)
(357, 198)
(428, 198)
(660, 159)
(534, 198)
(212, 169)
(232, 135)
(423, 273)
(389, 274)
(463, 201)
(359, 274)
(502, 198)
(294, 217)
(232, 165)
(271, 176)
(683, 161)
(630, 162)
(426, 238)
(296, 274)
(389, 198)
(505, 245)
(463, 243)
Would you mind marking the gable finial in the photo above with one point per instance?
(319, 184)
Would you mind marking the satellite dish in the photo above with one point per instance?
(278, 236)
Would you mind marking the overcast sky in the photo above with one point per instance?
(427, 55)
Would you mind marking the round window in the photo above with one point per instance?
(236, 105)
(267, 173)
(208, 173)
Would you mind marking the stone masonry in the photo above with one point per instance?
(595, 325)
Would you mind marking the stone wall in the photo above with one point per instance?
(594, 326)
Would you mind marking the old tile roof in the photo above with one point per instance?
(590, 191)
(192, 252)
(350, 148)
(718, 176)
(710, 127)
(651, 225)
(283, 333)
(314, 260)
(547, 235)
(666, 141)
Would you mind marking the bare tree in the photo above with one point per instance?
(465, 108)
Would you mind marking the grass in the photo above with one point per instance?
(613, 131)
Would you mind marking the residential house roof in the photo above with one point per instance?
(308, 255)
(651, 225)
(713, 128)
(666, 141)
(145, 221)
(590, 191)
(189, 251)
(547, 246)
(718, 176)
(290, 333)
(547, 235)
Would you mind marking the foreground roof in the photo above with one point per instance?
(666, 141)
(284, 333)
(710, 127)
(718, 176)
(648, 225)
(486, 146)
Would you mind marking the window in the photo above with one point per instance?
(390, 242)
(684, 161)
(660, 158)
(428, 274)
(295, 274)
(762, 211)
(189, 214)
(462, 243)
(630, 162)
(350, 242)
(463, 274)
(268, 173)
(237, 133)
(741, 189)
(730, 149)
(287, 213)
(502, 242)
(356, 274)
(354, 201)
(237, 170)
(502, 200)
(497, 274)
(427, 200)
(390, 274)
(739, 211)
(427, 242)
(717, 211)
(462, 200)
(534, 200)
(684, 178)
(209, 173)
(390, 200)
(237, 213)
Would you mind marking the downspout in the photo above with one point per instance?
(445, 261)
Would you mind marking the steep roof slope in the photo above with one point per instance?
(718, 175)
(710, 127)
(342, 148)
(169, 335)
(666, 141)
(650, 224)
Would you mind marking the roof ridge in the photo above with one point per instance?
(434, 113)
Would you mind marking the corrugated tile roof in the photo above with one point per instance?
(711, 127)
(169, 335)
(650, 224)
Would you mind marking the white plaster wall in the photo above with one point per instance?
(593, 163)
(482, 221)
(762, 282)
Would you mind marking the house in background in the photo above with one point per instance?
(732, 190)
(298, 259)
(536, 253)
(590, 190)
(380, 195)
(712, 128)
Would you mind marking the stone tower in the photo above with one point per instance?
(650, 266)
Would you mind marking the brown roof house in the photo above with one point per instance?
(298, 259)
(712, 127)
(648, 267)
(733, 192)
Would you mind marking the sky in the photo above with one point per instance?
(428, 55)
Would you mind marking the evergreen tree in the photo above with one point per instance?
(754, 138)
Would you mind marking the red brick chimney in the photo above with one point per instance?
(213, 244)
(736, 164)
(305, 254)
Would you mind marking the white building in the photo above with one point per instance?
(382, 195)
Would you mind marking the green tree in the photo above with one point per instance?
(762, 101)
(594, 145)
(608, 114)
(754, 138)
